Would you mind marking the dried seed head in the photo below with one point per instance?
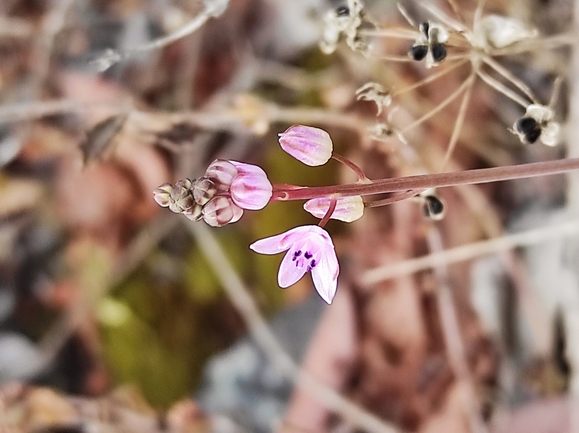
(495, 31)
(374, 92)
(432, 206)
(343, 21)
(430, 44)
(537, 124)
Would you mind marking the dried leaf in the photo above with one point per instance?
(100, 137)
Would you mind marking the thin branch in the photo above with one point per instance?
(459, 119)
(213, 8)
(501, 88)
(470, 251)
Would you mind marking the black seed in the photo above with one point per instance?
(342, 11)
(418, 52)
(438, 52)
(308, 255)
(525, 125)
(533, 135)
(433, 207)
(424, 28)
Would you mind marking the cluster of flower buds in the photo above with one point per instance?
(220, 195)
(430, 44)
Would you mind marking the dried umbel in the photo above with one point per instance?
(344, 21)
(495, 31)
(220, 195)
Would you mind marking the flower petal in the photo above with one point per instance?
(289, 272)
(550, 135)
(348, 209)
(279, 243)
(325, 276)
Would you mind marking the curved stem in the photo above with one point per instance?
(329, 212)
(352, 166)
(438, 180)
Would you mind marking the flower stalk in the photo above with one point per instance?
(421, 182)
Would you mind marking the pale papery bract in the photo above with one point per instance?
(309, 249)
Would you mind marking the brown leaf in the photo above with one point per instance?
(100, 137)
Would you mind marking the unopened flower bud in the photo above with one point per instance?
(347, 209)
(195, 213)
(221, 173)
(251, 188)
(162, 195)
(221, 210)
(181, 198)
(204, 190)
(312, 146)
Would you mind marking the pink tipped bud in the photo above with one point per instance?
(162, 195)
(220, 211)
(348, 209)
(251, 188)
(312, 146)
(221, 173)
(204, 190)
(195, 213)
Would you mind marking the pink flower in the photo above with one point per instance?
(310, 248)
(312, 146)
(348, 209)
(250, 189)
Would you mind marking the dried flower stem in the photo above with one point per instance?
(470, 251)
(460, 118)
(418, 182)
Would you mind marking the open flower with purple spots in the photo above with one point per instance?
(309, 249)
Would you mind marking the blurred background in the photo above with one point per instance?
(117, 315)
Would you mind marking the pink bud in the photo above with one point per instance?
(162, 195)
(348, 209)
(312, 146)
(251, 188)
(220, 211)
(221, 172)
